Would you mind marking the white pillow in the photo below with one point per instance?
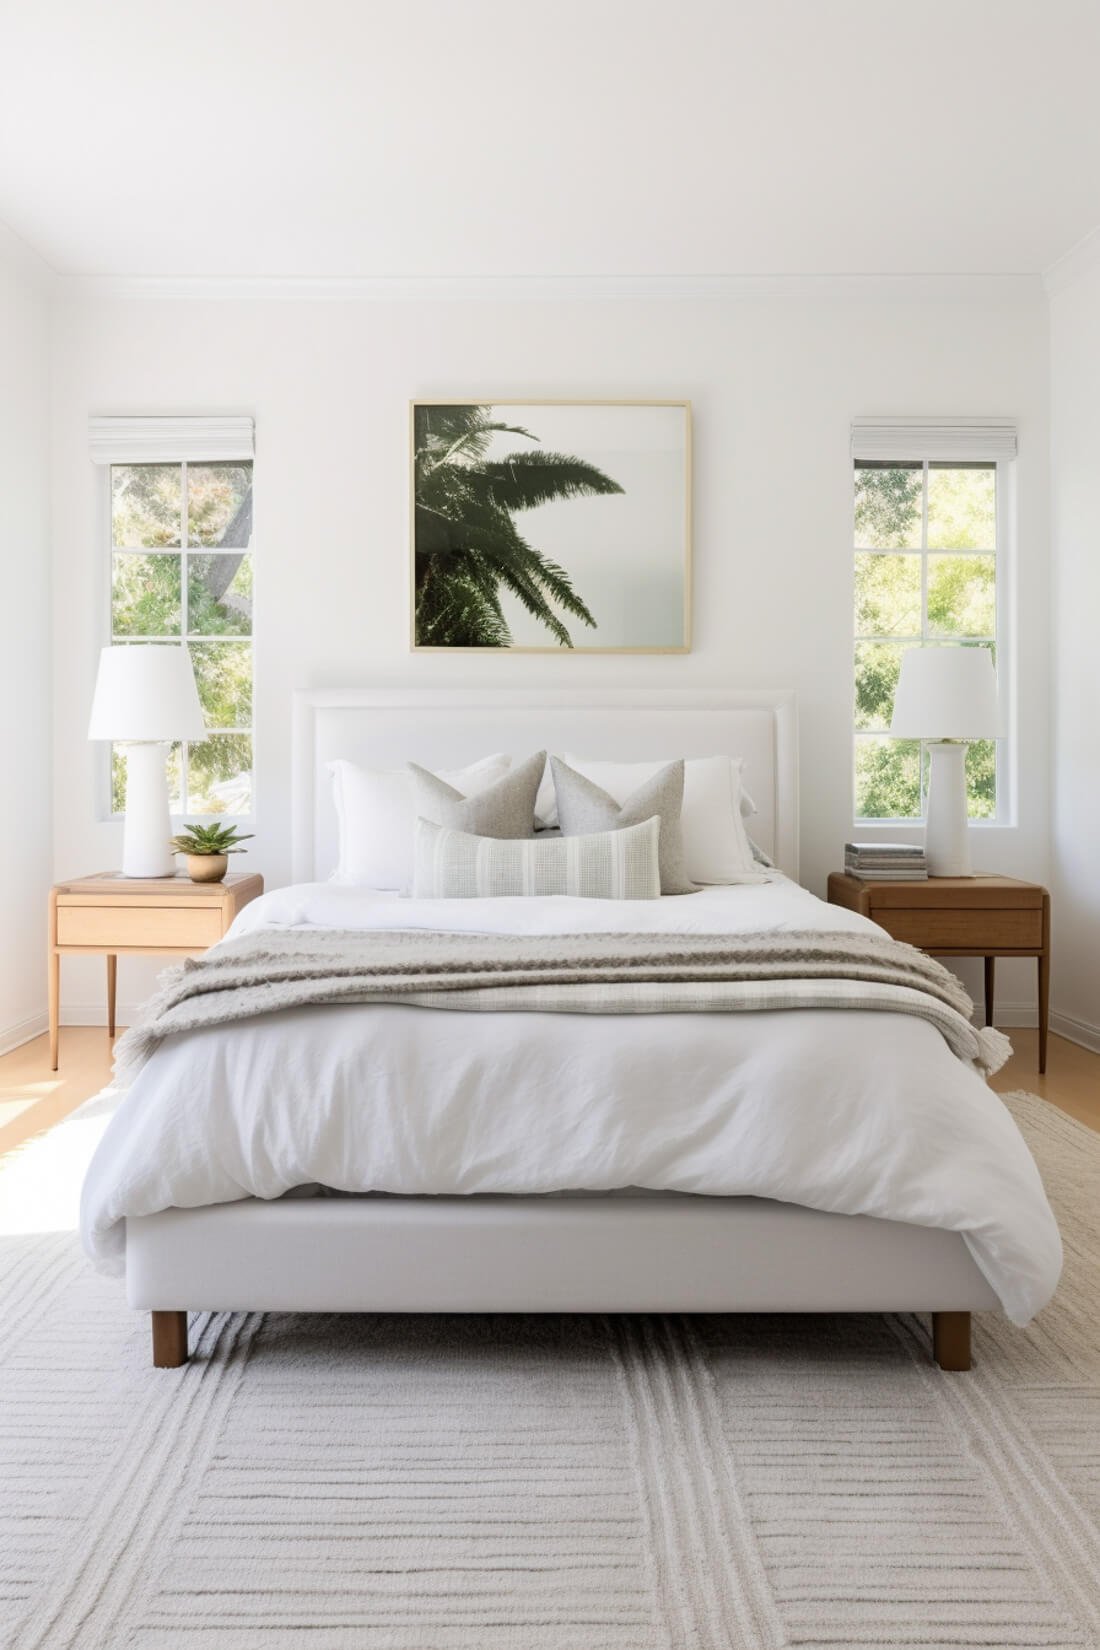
(716, 844)
(376, 810)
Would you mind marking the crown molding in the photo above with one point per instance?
(1074, 266)
(540, 288)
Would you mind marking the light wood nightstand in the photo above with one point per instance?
(980, 916)
(156, 916)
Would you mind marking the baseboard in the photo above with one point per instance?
(1076, 1031)
(1010, 1014)
(22, 1032)
(95, 1014)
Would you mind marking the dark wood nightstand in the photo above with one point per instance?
(980, 916)
(167, 916)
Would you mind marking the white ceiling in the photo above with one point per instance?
(560, 138)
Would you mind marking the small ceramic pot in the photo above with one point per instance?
(207, 867)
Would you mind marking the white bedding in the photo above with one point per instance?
(858, 1112)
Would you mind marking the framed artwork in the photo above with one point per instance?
(551, 526)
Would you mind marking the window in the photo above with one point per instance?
(927, 537)
(181, 569)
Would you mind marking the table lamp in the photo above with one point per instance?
(145, 696)
(946, 696)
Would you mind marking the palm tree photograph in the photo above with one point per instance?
(551, 526)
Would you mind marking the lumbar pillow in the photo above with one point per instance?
(376, 813)
(609, 865)
(716, 844)
(583, 807)
(505, 808)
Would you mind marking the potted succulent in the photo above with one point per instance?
(207, 848)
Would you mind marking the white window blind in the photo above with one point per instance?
(933, 439)
(170, 440)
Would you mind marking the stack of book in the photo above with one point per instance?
(885, 862)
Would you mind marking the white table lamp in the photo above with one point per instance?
(145, 696)
(946, 696)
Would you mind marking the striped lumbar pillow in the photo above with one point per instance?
(606, 865)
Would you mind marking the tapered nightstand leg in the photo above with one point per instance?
(112, 984)
(990, 969)
(54, 995)
(1044, 1009)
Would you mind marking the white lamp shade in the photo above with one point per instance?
(146, 692)
(946, 693)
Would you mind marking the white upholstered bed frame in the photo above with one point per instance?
(645, 1252)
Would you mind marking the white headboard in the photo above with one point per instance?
(387, 727)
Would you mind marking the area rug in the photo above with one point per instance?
(540, 1483)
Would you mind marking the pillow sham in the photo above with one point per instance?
(584, 808)
(607, 865)
(716, 844)
(376, 815)
(506, 808)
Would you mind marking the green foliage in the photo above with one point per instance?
(888, 779)
(888, 508)
(210, 839)
(962, 507)
(962, 596)
(887, 595)
(467, 546)
(878, 666)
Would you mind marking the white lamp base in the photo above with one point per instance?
(946, 835)
(147, 832)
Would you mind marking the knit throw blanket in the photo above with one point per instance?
(273, 970)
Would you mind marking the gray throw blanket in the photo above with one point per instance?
(277, 969)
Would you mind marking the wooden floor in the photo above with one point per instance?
(34, 1098)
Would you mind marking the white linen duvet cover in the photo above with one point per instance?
(856, 1112)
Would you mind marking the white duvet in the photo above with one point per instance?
(859, 1112)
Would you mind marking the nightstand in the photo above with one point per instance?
(980, 916)
(156, 916)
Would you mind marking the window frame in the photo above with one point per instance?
(1004, 640)
(104, 750)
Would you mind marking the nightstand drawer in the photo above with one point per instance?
(1011, 930)
(104, 926)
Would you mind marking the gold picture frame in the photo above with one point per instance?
(491, 597)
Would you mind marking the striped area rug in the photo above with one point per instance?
(540, 1483)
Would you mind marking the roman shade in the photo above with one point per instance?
(939, 440)
(170, 440)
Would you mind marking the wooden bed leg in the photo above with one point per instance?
(951, 1339)
(169, 1339)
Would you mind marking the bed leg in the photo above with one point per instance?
(169, 1339)
(951, 1339)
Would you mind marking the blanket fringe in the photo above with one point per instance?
(995, 1048)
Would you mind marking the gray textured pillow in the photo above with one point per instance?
(506, 808)
(585, 807)
(608, 865)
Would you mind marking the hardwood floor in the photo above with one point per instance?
(34, 1098)
(1072, 1080)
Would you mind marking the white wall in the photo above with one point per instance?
(25, 852)
(774, 382)
(1075, 685)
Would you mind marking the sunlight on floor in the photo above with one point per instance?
(40, 1182)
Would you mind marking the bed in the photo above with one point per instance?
(875, 1172)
